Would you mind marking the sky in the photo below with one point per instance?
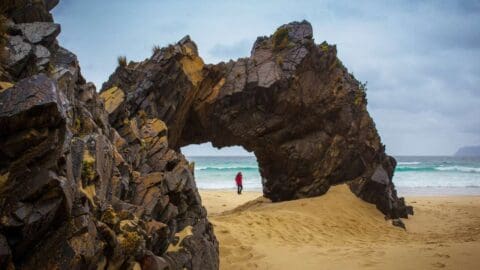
(421, 59)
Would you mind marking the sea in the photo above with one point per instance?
(414, 175)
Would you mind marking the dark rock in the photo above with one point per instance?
(42, 54)
(399, 223)
(19, 52)
(170, 212)
(75, 193)
(27, 11)
(152, 262)
(93, 180)
(50, 4)
(292, 103)
(32, 102)
(5, 254)
(39, 32)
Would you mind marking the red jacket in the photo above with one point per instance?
(238, 179)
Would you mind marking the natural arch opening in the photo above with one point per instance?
(216, 168)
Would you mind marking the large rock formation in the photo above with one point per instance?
(292, 103)
(76, 193)
(96, 181)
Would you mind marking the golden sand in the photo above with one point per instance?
(340, 231)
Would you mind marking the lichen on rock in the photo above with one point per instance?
(88, 167)
(112, 97)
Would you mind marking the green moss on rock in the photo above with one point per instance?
(130, 242)
(280, 39)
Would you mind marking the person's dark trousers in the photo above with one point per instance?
(239, 189)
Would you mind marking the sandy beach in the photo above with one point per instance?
(339, 231)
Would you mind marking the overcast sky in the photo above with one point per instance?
(421, 58)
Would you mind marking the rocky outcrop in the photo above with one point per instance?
(292, 103)
(468, 151)
(92, 180)
(76, 193)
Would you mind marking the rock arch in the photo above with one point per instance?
(292, 103)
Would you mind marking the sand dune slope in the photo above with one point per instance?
(339, 231)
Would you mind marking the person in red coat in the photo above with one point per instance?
(238, 180)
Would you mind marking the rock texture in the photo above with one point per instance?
(76, 193)
(96, 181)
(292, 103)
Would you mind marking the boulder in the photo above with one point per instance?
(39, 32)
(27, 11)
(19, 53)
(32, 102)
(42, 55)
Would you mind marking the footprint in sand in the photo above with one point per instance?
(369, 263)
(446, 256)
(439, 265)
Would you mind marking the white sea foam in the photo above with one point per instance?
(240, 167)
(409, 163)
(458, 168)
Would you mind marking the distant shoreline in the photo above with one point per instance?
(395, 156)
(413, 176)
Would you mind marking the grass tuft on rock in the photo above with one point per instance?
(324, 47)
(280, 39)
(156, 49)
(122, 61)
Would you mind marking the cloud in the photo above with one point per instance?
(420, 58)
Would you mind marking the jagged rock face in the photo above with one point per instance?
(292, 103)
(96, 181)
(76, 193)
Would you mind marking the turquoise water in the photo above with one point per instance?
(413, 175)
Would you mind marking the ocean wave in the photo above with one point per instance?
(438, 169)
(459, 169)
(443, 185)
(227, 168)
(415, 169)
(408, 163)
